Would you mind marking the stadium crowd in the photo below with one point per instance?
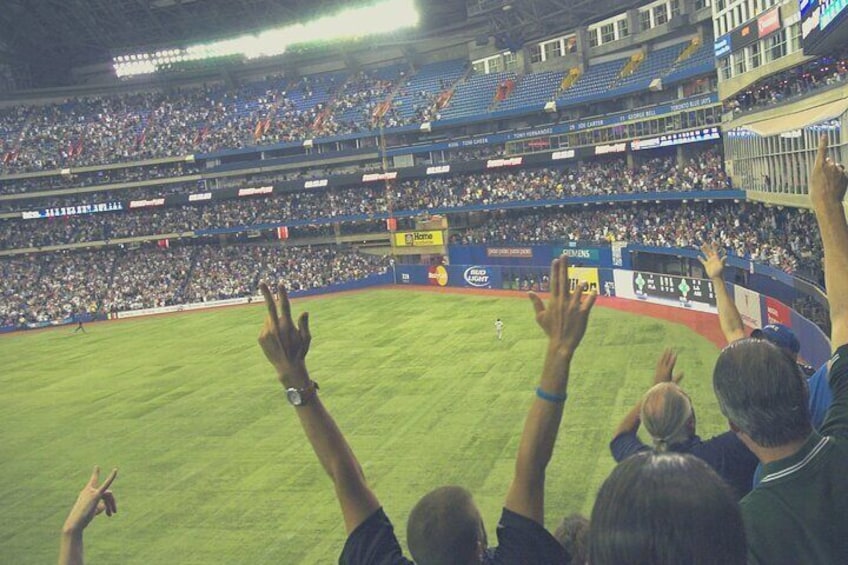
(792, 83)
(703, 172)
(95, 178)
(768, 490)
(785, 239)
(55, 286)
(95, 130)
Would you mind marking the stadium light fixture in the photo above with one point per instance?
(351, 23)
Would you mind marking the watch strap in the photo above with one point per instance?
(307, 393)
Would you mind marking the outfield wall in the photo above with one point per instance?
(526, 267)
(684, 292)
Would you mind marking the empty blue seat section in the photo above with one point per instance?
(700, 62)
(596, 81)
(533, 90)
(655, 65)
(475, 95)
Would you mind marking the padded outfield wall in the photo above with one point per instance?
(610, 269)
(607, 268)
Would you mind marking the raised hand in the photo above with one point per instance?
(92, 500)
(665, 367)
(566, 315)
(713, 261)
(827, 181)
(285, 345)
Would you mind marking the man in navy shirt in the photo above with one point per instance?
(667, 414)
(445, 527)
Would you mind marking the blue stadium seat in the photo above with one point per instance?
(475, 95)
(533, 90)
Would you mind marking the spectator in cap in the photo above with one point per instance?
(731, 325)
(796, 514)
(667, 414)
(785, 339)
(781, 336)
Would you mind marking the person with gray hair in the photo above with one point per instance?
(796, 514)
(667, 414)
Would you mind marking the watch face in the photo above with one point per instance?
(294, 396)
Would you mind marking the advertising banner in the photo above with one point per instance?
(723, 46)
(509, 252)
(744, 35)
(769, 22)
(73, 210)
(437, 276)
(777, 312)
(418, 238)
(749, 306)
(579, 253)
(477, 276)
(587, 275)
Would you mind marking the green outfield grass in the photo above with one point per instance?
(213, 465)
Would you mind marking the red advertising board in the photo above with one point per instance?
(778, 312)
(768, 22)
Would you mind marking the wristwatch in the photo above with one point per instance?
(302, 396)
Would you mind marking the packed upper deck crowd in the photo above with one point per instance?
(702, 172)
(97, 130)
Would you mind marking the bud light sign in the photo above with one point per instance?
(478, 277)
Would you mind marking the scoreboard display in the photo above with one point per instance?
(823, 25)
(684, 290)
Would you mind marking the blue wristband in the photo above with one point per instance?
(558, 398)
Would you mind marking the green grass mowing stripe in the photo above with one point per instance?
(215, 468)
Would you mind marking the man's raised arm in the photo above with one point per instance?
(827, 192)
(286, 345)
(564, 321)
(728, 316)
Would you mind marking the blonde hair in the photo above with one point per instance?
(666, 412)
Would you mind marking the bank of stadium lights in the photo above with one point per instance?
(352, 23)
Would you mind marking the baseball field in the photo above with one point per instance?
(213, 465)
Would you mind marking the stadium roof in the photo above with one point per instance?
(50, 37)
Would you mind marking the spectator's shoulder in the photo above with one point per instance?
(522, 541)
(373, 542)
(626, 444)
